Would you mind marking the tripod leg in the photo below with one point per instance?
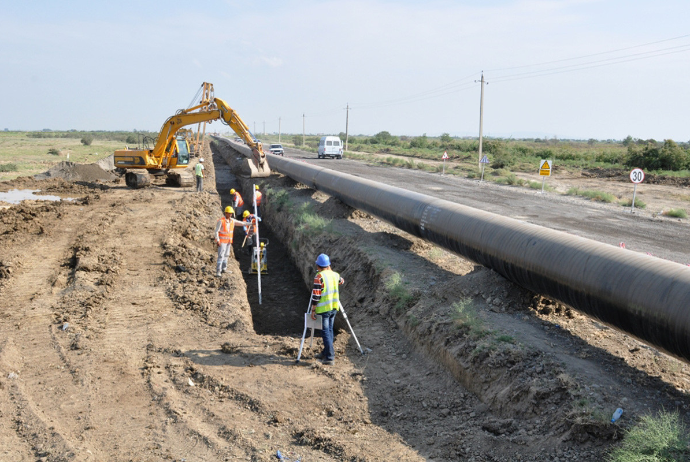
(350, 326)
(301, 345)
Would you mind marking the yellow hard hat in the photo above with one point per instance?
(245, 214)
(263, 245)
(232, 191)
(229, 209)
(256, 186)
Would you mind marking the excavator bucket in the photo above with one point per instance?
(252, 170)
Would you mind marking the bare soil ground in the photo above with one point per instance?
(117, 341)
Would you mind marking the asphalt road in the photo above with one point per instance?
(663, 237)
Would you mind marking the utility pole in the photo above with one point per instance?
(303, 129)
(264, 128)
(347, 122)
(481, 120)
(278, 129)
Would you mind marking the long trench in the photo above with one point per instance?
(284, 296)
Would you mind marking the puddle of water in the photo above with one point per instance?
(15, 196)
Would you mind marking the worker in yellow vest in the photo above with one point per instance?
(199, 175)
(225, 230)
(325, 298)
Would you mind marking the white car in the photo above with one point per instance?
(277, 149)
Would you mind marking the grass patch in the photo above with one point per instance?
(660, 438)
(398, 292)
(11, 167)
(505, 339)
(311, 224)
(413, 320)
(628, 203)
(435, 254)
(591, 194)
(281, 198)
(676, 213)
(465, 316)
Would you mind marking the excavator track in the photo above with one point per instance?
(180, 178)
(137, 179)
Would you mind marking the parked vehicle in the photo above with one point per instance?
(277, 149)
(330, 146)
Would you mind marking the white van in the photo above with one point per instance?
(330, 146)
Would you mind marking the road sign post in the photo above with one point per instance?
(445, 157)
(637, 177)
(483, 161)
(544, 171)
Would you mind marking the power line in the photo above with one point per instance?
(583, 66)
(456, 83)
(588, 56)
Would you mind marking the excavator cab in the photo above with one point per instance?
(182, 151)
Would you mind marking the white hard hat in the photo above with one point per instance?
(201, 159)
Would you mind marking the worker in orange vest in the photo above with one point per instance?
(258, 200)
(237, 201)
(225, 229)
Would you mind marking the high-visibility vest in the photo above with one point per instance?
(258, 198)
(226, 231)
(238, 200)
(329, 293)
(249, 228)
(198, 169)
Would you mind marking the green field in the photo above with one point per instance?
(27, 153)
(511, 155)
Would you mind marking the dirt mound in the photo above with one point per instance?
(76, 172)
(107, 163)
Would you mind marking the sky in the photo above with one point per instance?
(570, 69)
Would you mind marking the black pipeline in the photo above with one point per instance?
(644, 296)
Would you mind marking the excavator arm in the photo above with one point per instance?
(164, 154)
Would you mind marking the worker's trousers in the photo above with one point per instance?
(327, 321)
(199, 183)
(224, 251)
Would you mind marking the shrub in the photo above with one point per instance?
(465, 316)
(384, 137)
(669, 156)
(662, 438)
(593, 195)
(420, 142)
(638, 203)
(398, 292)
(54, 151)
(310, 223)
(280, 199)
(8, 168)
(131, 139)
(297, 140)
(86, 140)
(676, 213)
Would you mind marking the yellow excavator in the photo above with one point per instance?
(170, 154)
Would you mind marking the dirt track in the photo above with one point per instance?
(118, 343)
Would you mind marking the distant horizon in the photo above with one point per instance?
(466, 137)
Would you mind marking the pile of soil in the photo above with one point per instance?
(76, 172)
(107, 163)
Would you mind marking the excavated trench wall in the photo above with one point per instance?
(513, 381)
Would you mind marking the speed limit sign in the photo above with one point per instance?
(637, 176)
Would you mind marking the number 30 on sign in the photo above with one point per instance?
(637, 176)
